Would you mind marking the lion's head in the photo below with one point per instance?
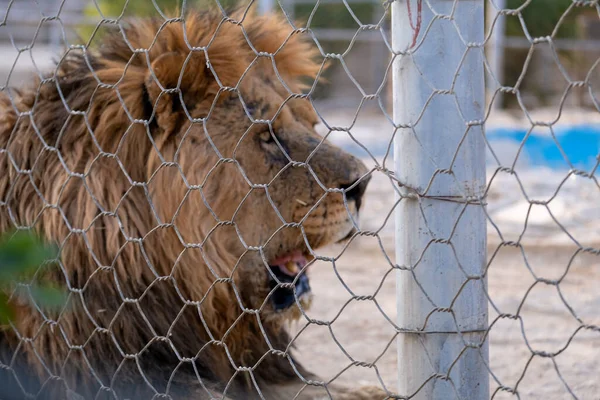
(179, 170)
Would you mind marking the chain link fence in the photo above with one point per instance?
(214, 244)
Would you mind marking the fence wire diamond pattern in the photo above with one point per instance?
(135, 227)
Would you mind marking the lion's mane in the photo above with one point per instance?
(78, 150)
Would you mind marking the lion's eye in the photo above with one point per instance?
(267, 137)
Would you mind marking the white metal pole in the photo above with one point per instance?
(439, 100)
(496, 47)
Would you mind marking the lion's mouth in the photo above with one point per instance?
(288, 280)
(288, 275)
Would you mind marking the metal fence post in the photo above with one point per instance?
(439, 101)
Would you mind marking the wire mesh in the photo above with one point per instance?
(541, 247)
(172, 291)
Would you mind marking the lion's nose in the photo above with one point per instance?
(354, 191)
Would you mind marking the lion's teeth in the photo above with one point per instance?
(291, 267)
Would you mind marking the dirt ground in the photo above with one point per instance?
(360, 329)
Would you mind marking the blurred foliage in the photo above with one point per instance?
(138, 8)
(326, 16)
(541, 18)
(23, 257)
(337, 16)
(145, 8)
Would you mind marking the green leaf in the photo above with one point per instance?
(541, 18)
(6, 311)
(48, 297)
(22, 253)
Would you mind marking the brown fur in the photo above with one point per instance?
(151, 177)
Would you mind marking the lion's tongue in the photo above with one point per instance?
(290, 264)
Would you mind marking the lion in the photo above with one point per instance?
(178, 169)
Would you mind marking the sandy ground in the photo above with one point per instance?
(360, 330)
